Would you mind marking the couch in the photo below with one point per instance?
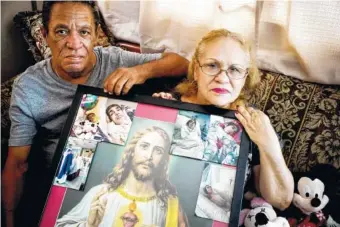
(305, 115)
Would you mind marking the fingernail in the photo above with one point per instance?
(105, 90)
(110, 93)
(236, 112)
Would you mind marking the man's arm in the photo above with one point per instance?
(13, 180)
(121, 80)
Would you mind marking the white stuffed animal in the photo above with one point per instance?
(262, 215)
(86, 130)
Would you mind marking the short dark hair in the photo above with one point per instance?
(193, 120)
(47, 8)
(110, 107)
(231, 123)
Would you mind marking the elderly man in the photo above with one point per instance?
(43, 94)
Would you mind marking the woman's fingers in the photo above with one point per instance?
(245, 113)
(241, 118)
(163, 95)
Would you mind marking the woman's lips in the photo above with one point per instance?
(220, 90)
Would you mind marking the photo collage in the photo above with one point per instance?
(133, 142)
(98, 119)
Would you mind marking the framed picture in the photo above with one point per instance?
(137, 161)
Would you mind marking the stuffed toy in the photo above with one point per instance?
(262, 214)
(314, 199)
(86, 130)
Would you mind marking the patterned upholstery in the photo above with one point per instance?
(305, 115)
(6, 90)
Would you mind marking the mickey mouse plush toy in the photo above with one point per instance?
(315, 199)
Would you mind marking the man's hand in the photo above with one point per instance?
(13, 180)
(122, 80)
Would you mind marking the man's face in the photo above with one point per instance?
(208, 189)
(71, 37)
(129, 219)
(148, 154)
(117, 115)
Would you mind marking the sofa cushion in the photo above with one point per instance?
(305, 115)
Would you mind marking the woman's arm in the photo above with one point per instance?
(273, 179)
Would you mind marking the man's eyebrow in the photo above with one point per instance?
(89, 27)
(60, 26)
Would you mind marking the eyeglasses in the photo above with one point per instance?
(214, 68)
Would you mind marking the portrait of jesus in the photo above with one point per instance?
(137, 192)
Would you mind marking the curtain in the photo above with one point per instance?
(297, 38)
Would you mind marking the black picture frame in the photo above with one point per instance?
(245, 144)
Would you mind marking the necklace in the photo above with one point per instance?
(121, 191)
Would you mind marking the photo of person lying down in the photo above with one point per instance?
(216, 192)
(119, 116)
(104, 119)
(223, 141)
(189, 137)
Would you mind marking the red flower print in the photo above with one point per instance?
(219, 143)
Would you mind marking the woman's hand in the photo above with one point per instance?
(273, 179)
(258, 126)
(163, 95)
(97, 208)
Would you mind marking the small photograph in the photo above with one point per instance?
(75, 163)
(216, 192)
(190, 134)
(223, 138)
(119, 116)
(104, 119)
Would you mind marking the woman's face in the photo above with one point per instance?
(220, 90)
(231, 129)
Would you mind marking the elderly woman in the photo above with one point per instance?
(223, 73)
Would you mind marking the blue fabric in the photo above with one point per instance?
(66, 165)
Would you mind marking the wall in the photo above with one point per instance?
(15, 57)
